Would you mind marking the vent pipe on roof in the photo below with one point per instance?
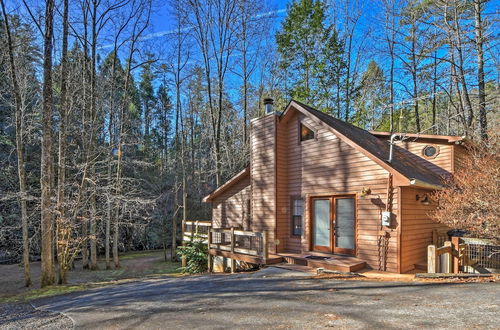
(268, 104)
(391, 147)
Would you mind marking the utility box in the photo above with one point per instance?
(386, 218)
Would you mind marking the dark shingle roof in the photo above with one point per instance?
(403, 161)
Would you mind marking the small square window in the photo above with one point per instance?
(306, 133)
(297, 212)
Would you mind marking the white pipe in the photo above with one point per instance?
(391, 141)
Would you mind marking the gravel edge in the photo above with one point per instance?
(27, 316)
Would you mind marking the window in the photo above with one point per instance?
(430, 151)
(297, 211)
(306, 133)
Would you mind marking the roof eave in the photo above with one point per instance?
(447, 138)
(226, 185)
(423, 184)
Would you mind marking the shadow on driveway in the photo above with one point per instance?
(279, 300)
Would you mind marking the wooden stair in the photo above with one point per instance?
(341, 263)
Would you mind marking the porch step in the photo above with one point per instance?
(340, 263)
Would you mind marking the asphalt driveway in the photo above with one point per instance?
(278, 298)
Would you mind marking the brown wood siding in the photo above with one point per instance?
(263, 176)
(416, 229)
(231, 208)
(328, 166)
(441, 164)
(459, 155)
(283, 208)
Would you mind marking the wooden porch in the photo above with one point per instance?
(338, 262)
(252, 247)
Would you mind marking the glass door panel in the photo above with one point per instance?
(345, 219)
(321, 224)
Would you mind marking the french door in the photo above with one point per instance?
(334, 224)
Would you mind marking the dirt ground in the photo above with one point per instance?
(133, 265)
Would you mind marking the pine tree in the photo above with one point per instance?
(310, 54)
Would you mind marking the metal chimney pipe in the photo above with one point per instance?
(268, 104)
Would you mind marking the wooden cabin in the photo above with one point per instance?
(328, 194)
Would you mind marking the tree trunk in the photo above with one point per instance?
(47, 264)
(414, 73)
(20, 150)
(434, 91)
(461, 74)
(483, 124)
(93, 114)
(347, 81)
(62, 244)
(84, 225)
(173, 248)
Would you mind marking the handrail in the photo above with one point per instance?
(202, 223)
(261, 250)
(237, 232)
(432, 257)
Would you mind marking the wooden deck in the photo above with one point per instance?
(258, 260)
(252, 247)
(342, 263)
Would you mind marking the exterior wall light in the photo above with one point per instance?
(424, 199)
(365, 191)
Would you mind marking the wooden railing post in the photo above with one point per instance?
(455, 245)
(448, 259)
(209, 239)
(183, 228)
(431, 259)
(233, 261)
(264, 246)
(435, 237)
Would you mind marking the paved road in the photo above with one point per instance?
(276, 298)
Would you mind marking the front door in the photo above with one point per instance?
(334, 224)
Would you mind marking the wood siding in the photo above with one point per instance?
(282, 168)
(231, 208)
(441, 164)
(263, 176)
(416, 229)
(459, 155)
(328, 166)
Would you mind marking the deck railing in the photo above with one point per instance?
(463, 255)
(236, 242)
(434, 260)
(195, 229)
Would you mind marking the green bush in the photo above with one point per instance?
(196, 254)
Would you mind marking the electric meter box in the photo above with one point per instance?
(386, 218)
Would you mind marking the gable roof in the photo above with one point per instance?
(403, 165)
(239, 176)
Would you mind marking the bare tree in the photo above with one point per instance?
(390, 38)
(61, 221)
(20, 148)
(483, 124)
(141, 14)
(47, 276)
(213, 24)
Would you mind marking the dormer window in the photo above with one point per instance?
(306, 133)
